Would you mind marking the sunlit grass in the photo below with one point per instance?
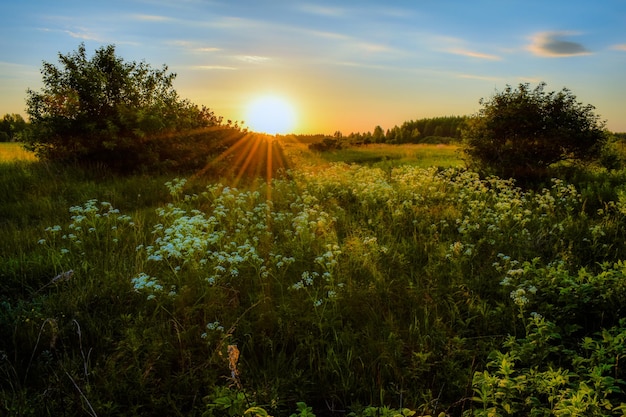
(420, 155)
(10, 151)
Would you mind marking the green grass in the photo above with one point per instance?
(422, 156)
(359, 286)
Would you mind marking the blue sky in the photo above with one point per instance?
(343, 65)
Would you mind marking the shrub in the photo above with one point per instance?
(105, 110)
(520, 133)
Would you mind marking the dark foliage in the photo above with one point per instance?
(521, 132)
(327, 144)
(444, 129)
(12, 128)
(107, 111)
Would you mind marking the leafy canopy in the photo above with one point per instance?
(12, 127)
(103, 109)
(520, 132)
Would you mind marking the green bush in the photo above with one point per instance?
(105, 110)
(520, 132)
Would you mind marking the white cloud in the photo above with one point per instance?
(254, 59)
(85, 34)
(620, 47)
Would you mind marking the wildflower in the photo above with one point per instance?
(215, 326)
(457, 248)
(519, 297)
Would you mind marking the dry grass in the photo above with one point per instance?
(11, 151)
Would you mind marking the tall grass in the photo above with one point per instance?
(14, 152)
(354, 288)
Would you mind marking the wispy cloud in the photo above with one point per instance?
(372, 47)
(213, 68)
(13, 70)
(193, 46)
(151, 18)
(620, 47)
(457, 46)
(254, 59)
(322, 10)
(556, 44)
(208, 49)
(77, 33)
(82, 35)
(478, 77)
(325, 34)
(532, 80)
(473, 54)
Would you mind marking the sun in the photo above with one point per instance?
(271, 115)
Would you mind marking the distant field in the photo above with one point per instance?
(15, 152)
(421, 155)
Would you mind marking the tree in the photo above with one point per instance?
(105, 110)
(12, 126)
(521, 132)
(379, 135)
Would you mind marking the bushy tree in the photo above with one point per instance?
(103, 109)
(12, 127)
(521, 132)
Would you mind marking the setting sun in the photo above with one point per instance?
(270, 114)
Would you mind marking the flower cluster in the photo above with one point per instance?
(225, 235)
(96, 228)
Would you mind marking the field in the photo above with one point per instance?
(384, 156)
(373, 281)
(14, 152)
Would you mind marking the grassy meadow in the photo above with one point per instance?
(371, 281)
(381, 155)
(12, 151)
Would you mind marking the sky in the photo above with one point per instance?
(341, 65)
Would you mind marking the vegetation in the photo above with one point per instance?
(13, 128)
(334, 289)
(108, 111)
(15, 152)
(429, 130)
(388, 156)
(520, 132)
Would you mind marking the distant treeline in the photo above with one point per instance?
(445, 129)
(429, 130)
(441, 130)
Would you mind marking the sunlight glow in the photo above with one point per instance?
(271, 115)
